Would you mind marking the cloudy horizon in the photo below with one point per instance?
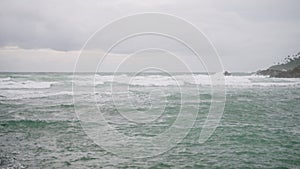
(47, 36)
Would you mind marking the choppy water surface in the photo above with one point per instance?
(39, 127)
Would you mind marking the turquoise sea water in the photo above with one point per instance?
(39, 128)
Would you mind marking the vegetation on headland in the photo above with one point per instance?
(288, 68)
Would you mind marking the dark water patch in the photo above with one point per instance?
(161, 166)
(23, 124)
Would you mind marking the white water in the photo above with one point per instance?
(8, 84)
(152, 80)
(180, 80)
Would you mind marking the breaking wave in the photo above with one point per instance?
(7, 83)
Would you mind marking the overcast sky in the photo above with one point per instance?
(48, 35)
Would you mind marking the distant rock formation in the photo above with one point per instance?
(226, 73)
(294, 73)
(289, 69)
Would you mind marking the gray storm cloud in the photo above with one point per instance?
(247, 34)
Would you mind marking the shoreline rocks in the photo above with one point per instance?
(293, 73)
(290, 68)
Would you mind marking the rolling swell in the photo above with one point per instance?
(39, 127)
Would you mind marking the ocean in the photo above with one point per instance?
(40, 124)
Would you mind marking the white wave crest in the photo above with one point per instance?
(98, 79)
(198, 79)
(5, 79)
(155, 80)
(21, 94)
(25, 85)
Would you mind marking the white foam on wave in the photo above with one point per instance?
(98, 79)
(195, 79)
(149, 80)
(5, 79)
(199, 79)
(155, 80)
(242, 81)
(260, 81)
(8, 84)
(21, 94)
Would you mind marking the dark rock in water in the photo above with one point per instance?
(226, 73)
(289, 69)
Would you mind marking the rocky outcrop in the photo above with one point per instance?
(289, 69)
(226, 73)
(293, 73)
